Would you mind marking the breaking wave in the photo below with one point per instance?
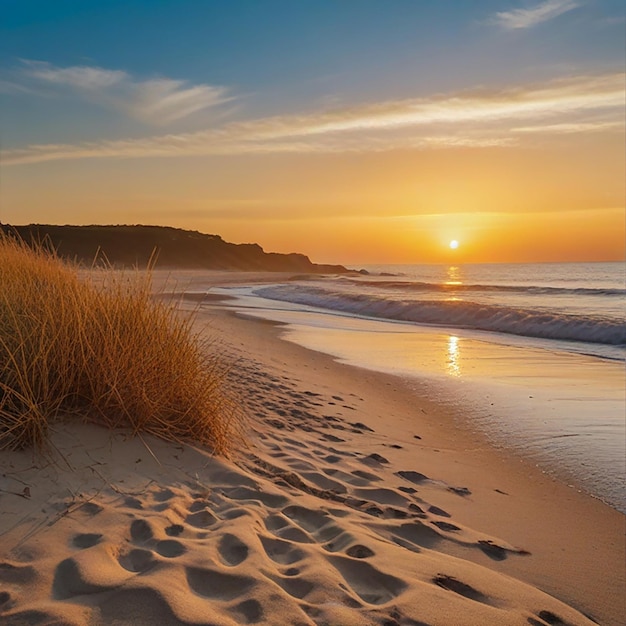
(487, 317)
(452, 286)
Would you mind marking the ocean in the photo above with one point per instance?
(582, 304)
(530, 355)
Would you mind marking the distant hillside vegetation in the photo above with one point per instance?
(125, 246)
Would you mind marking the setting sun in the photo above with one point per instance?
(454, 244)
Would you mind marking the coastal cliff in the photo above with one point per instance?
(124, 246)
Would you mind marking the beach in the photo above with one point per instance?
(352, 500)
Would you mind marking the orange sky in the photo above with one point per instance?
(560, 201)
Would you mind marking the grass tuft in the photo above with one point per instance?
(101, 350)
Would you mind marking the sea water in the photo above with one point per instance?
(531, 354)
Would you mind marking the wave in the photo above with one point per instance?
(503, 319)
(452, 286)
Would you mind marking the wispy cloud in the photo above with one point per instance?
(468, 119)
(79, 77)
(574, 127)
(156, 101)
(542, 12)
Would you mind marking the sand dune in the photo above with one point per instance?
(331, 515)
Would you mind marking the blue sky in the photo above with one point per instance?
(227, 83)
(284, 56)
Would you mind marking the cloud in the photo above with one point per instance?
(79, 77)
(464, 120)
(526, 18)
(576, 127)
(156, 101)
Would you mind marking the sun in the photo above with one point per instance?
(454, 244)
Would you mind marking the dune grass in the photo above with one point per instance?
(103, 351)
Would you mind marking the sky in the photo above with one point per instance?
(353, 131)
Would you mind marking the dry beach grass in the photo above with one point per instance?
(102, 350)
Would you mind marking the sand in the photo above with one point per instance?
(353, 502)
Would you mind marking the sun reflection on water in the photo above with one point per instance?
(453, 365)
(453, 276)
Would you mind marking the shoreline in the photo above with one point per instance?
(533, 400)
(535, 518)
(356, 501)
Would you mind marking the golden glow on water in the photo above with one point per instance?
(453, 276)
(453, 365)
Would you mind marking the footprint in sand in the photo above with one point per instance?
(332, 458)
(18, 574)
(418, 534)
(174, 530)
(217, 585)
(361, 426)
(494, 551)
(416, 511)
(452, 584)
(133, 503)
(141, 531)
(374, 460)
(281, 552)
(446, 526)
(232, 550)
(251, 611)
(86, 540)
(367, 476)
(548, 617)
(170, 548)
(297, 588)
(6, 602)
(333, 438)
(137, 560)
(163, 495)
(390, 512)
(309, 519)
(356, 478)
(435, 510)
(323, 482)
(359, 552)
(318, 523)
(382, 495)
(340, 542)
(413, 477)
(201, 519)
(367, 581)
(90, 508)
(283, 528)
